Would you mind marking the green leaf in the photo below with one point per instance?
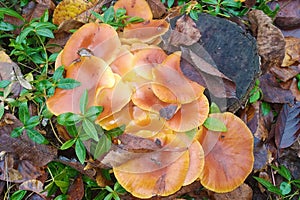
(4, 83)
(80, 151)
(23, 112)
(231, 3)
(101, 195)
(36, 136)
(102, 146)
(109, 196)
(45, 16)
(61, 197)
(109, 15)
(83, 101)
(119, 189)
(285, 188)
(93, 112)
(21, 38)
(68, 119)
(68, 84)
(268, 185)
(89, 128)
(43, 85)
(120, 12)
(45, 32)
(18, 195)
(58, 74)
(5, 26)
(265, 108)
(170, 3)
(283, 171)
(215, 124)
(32, 122)
(7, 11)
(213, 2)
(68, 144)
(51, 188)
(255, 96)
(116, 131)
(194, 15)
(98, 16)
(17, 132)
(72, 130)
(214, 108)
(1, 109)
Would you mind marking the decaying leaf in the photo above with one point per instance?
(287, 128)
(34, 186)
(157, 7)
(35, 9)
(200, 71)
(260, 155)
(294, 89)
(242, 192)
(288, 16)
(7, 67)
(272, 92)
(70, 9)
(292, 51)
(76, 189)
(24, 148)
(285, 73)
(185, 32)
(270, 41)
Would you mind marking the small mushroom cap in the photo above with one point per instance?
(190, 115)
(144, 32)
(93, 74)
(135, 8)
(228, 155)
(123, 63)
(113, 99)
(196, 155)
(100, 39)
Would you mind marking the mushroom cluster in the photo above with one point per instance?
(140, 85)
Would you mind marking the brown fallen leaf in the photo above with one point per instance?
(288, 16)
(287, 127)
(34, 186)
(24, 148)
(185, 32)
(14, 169)
(242, 192)
(7, 67)
(197, 69)
(260, 155)
(157, 7)
(292, 51)
(35, 9)
(272, 92)
(270, 40)
(285, 73)
(76, 189)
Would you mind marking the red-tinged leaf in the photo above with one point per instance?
(272, 92)
(76, 190)
(287, 128)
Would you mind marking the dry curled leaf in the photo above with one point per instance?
(270, 40)
(76, 189)
(285, 73)
(185, 33)
(292, 51)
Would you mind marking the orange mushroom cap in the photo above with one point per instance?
(135, 8)
(196, 165)
(172, 87)
(101, 39)
(93, 74)
(228, 155)
(123, 63)
(113, 99)
(189, 116)
(161, 172)
(144, 32)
